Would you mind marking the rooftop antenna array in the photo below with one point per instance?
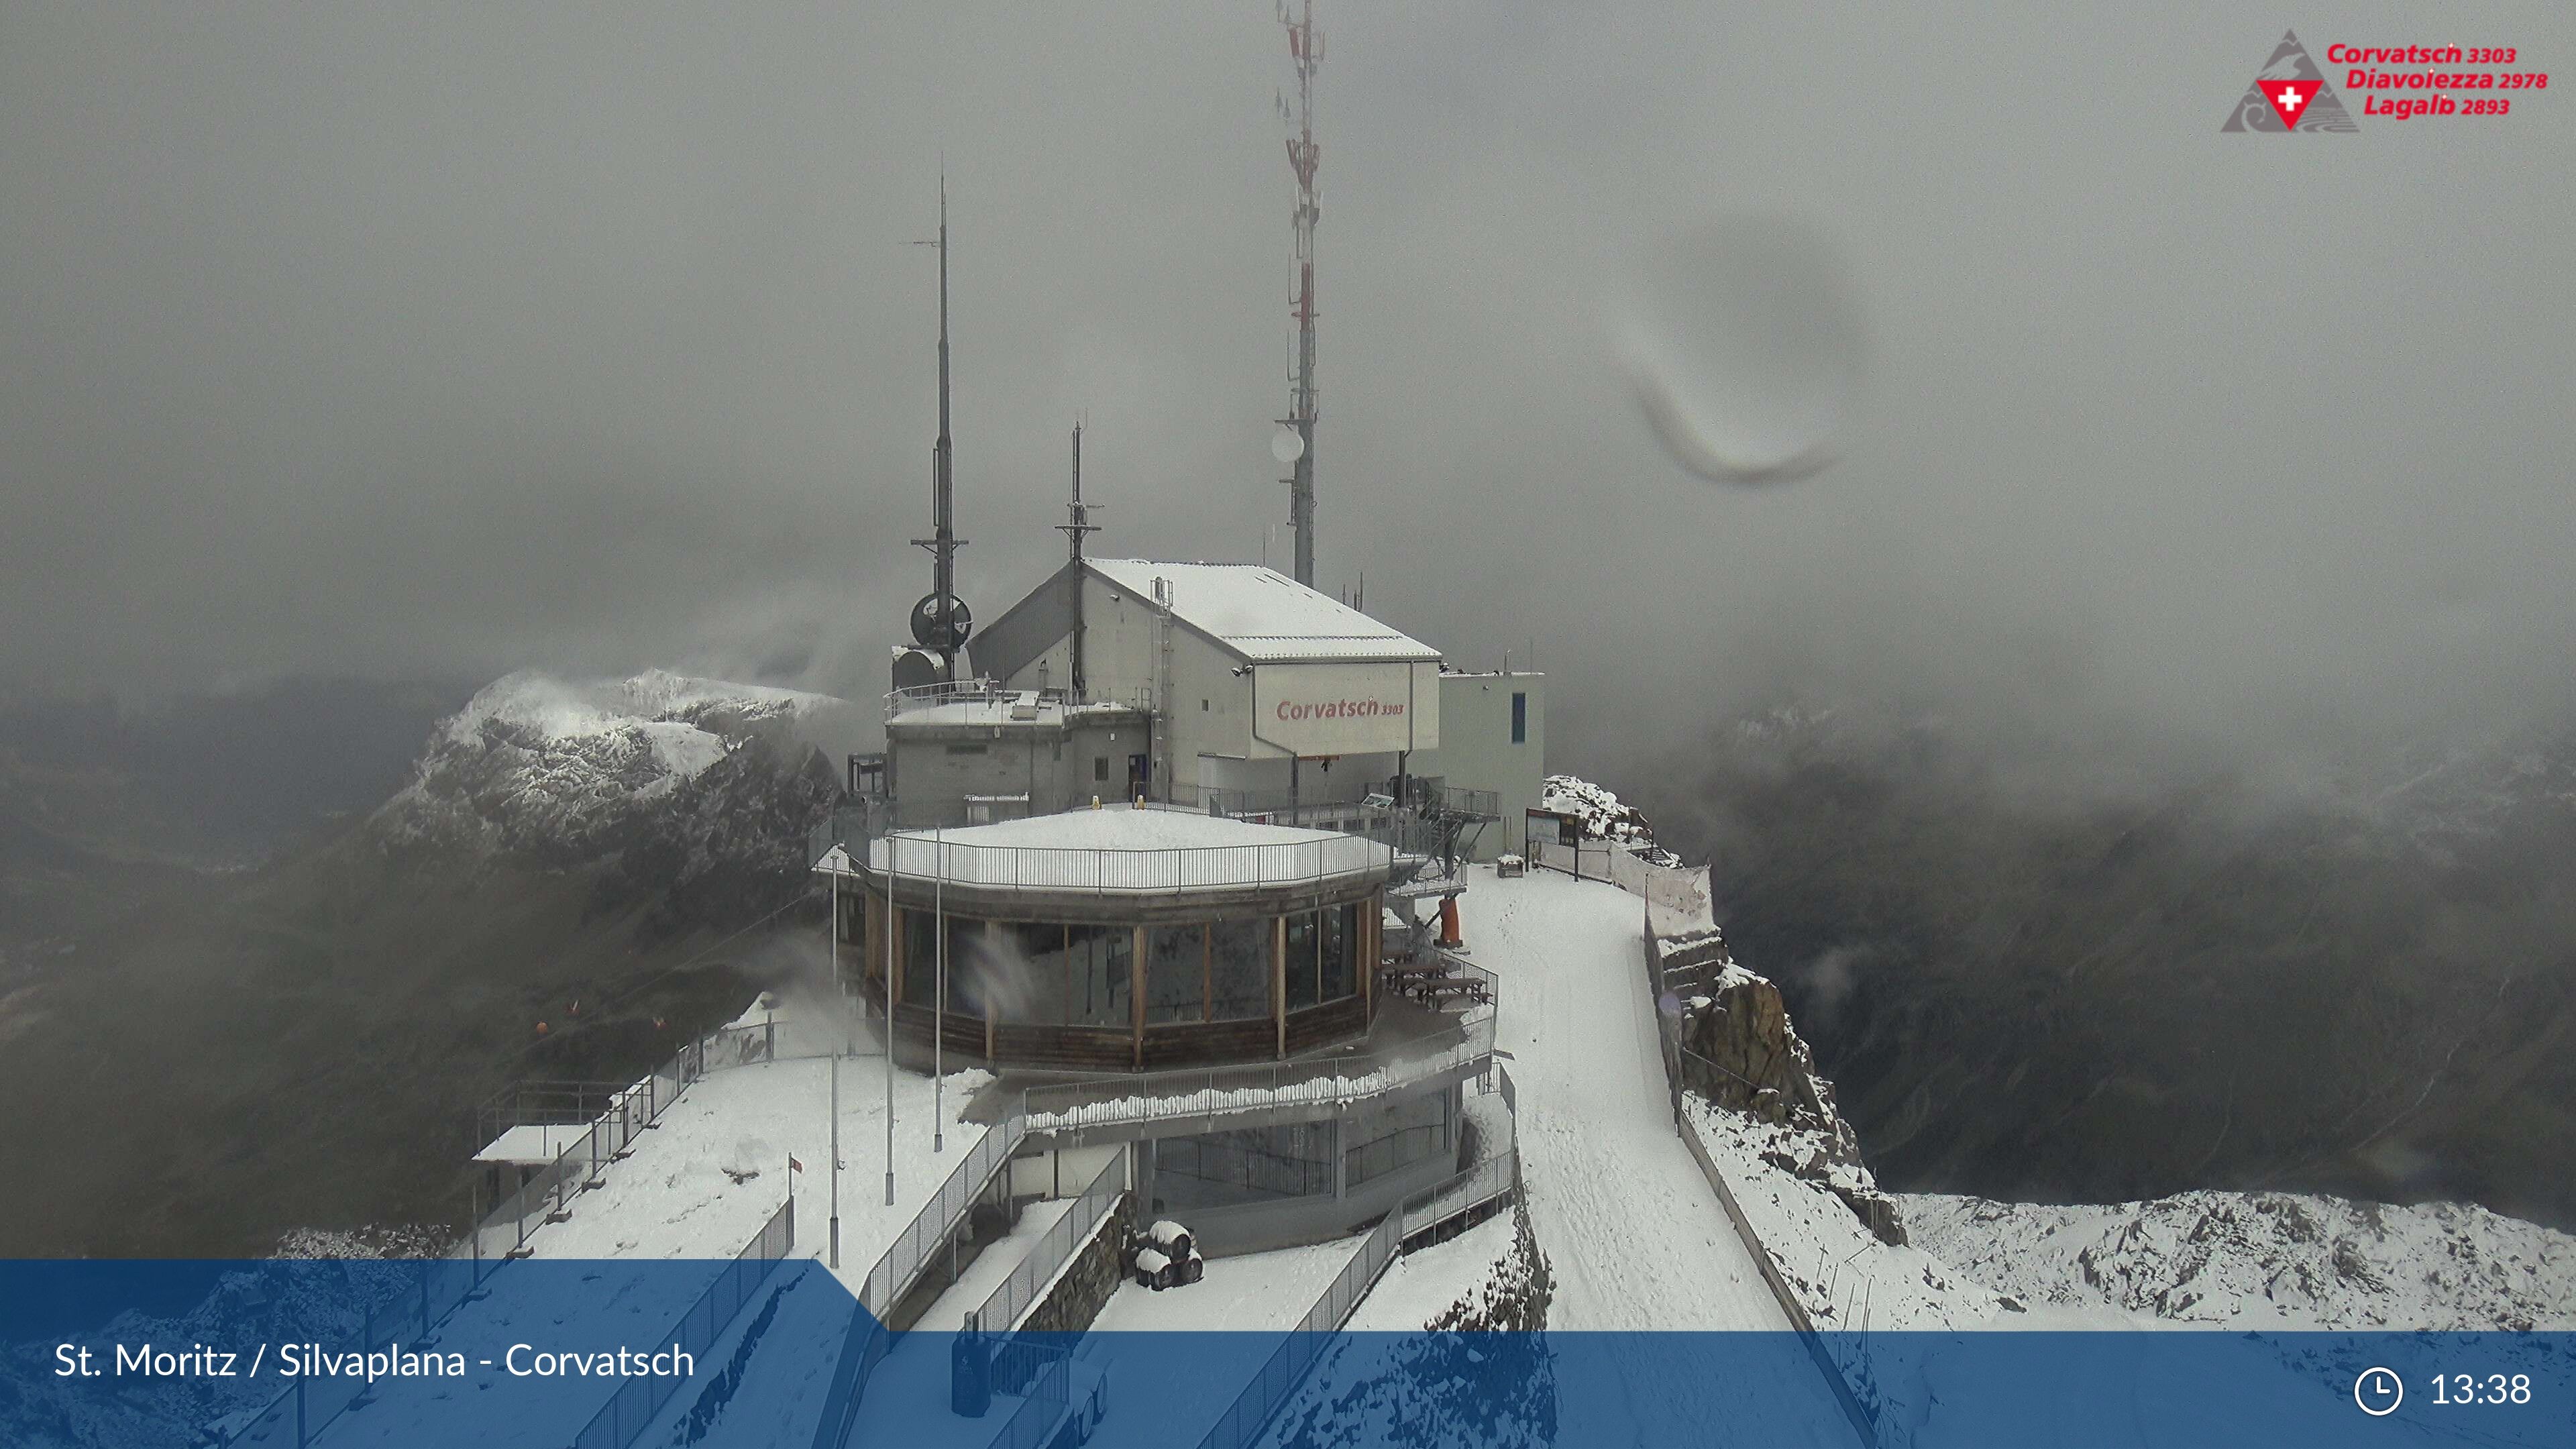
(941, 621)
(1295, 444)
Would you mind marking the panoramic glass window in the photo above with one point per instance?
(1100, 989)
(1031, 972)
(1176, 972)
(1340, 951)
(1239, 969)
(1303, 977)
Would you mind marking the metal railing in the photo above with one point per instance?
(868, 1339)
(901, 1266)
(1108, 871)
(1493, 1179)
(301, 1412)
(639, 1400)
(1287, 1365)
(1017, 1294)
(544, 1103)
(1042, 1373)
(1159, 1096)
(1487, 1181)
(979, 691)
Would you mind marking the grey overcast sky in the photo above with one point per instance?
(411, 339)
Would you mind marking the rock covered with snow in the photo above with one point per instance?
(1605, 816)
(558, 768)
(2265, 1259)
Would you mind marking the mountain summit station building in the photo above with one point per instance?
(1187, 816)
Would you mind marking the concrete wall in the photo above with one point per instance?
(932, 769)
(1476, 751)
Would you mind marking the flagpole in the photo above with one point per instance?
(835, 1262)
(836, 1160)
(939, 1017)
(894, 967)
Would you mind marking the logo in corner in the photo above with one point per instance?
(2290, 94)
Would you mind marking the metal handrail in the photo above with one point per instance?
(913, 855)
(1287, 1365)
(632, 1409)
(1160, 1096)
(900, 1267)
(1016, 1294)
(956, 691)
(1495, 1178)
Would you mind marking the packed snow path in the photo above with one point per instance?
(1632, 1229)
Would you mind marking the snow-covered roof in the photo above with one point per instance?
(1119, 848)
(1263, 614)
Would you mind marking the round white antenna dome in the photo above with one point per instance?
(1287, 445)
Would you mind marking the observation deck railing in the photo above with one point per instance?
(1115, 871)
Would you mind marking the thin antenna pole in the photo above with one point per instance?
(939, 1016)
(1079, 523)
(1306, 49)
(943, 542)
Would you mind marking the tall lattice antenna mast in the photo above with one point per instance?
(1306, 49)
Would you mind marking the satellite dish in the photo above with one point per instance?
(1287, 445)
(932, 631)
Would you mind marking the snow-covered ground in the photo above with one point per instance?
(1422, 1285)
(2263, 1260)
(1631, 1226)
(1237, 1314)
(699, 1186)
(1255, 1292)
(677, 1196)
(1636, 1235)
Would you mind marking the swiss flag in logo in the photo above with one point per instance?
(2289, 98)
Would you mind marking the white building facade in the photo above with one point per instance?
(1260, 687)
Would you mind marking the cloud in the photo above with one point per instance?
(385, 341)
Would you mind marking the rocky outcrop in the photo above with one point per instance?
(1740, 1051)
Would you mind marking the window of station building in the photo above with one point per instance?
(970, 962)
(1239, 969)
(1100, 767)
(920, 958)
(1176, 973)
(1101, 959)
(1302, 965)
(1032, 972)
(1520, 718)
(1341, 950)
(1257, 1164)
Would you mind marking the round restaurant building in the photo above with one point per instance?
(1123, 938)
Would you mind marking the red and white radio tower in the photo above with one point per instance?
(1306, 48)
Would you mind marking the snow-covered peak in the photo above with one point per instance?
(536, 762)
(531, 703)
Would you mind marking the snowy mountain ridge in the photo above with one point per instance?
(2264, 1259)
(555, 767)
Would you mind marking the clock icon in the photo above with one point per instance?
(2378, 1391)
